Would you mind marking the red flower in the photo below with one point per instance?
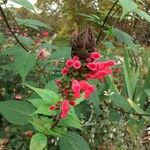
(92, 66)
(90, 76)
(58, 82)
(64, 109)
(95, 55)
(45, 33)
(109, 63)
(72, 102)
(69, 63)
(77, 64)
(75, 58)
(76, 87)
(52, 107)
(88, 59)
(87, 88)
(65, 71)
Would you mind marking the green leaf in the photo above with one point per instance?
(1, 37)
(143, 14)
(147, 92)
(120, 101)
(64, 52)
(139, 110)
(51, 85)
(127, 6)
(24, 3)
(25, 40)
(123, 37)
(38, 142)
(73, 141)
(24, 62)
(17, 112)
(43, 125)
(37, 102)
(32, 23)
(44, 109)
(127, 80)
(71, 120)
(50, 97)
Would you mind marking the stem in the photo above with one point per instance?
(105, 20)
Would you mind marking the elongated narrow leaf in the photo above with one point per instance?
(123, 37)
(120, 101)
(127, 6)
(127, 80)
(38, 142)
(139, 110)
(147, 92)
(143, 14)
(17, 112)
(24, 3)
(1, 37)
(32, 23)
(50, 97)
(73, 141)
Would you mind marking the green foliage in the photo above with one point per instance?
(24, 3)
(24, 62)
(1, 37)
(18, 113)
(48, 96)
(71, 120)
(35, 24)
(38, 142)
(73, 141)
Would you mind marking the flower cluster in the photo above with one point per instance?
(78, 71)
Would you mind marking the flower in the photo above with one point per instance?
(92, 66)
(95, 55)
(52, 107)
(65, 71)
(75, 58)
(64, 109)
(72, 102)
(87, 88)
(18, 97)
(76, 87)
(77, 64)
(45, 33)
(69, 63)
(42, 53)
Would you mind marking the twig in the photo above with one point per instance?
(9, 27)
(105, 20)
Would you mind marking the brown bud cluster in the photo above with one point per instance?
(83, 44)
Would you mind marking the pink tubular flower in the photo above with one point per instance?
(77, 64)
(69, 63)
(90, 76)
(95, 55)
(92, 66)
(109, 63)
(88, 59)
(64, 109)
(75, 58)
(42, 53)
(65, 71)
(87, 88)
(76, 87)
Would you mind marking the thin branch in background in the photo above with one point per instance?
(105, 20)
(9, 27)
